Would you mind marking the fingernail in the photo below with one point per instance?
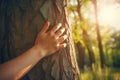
(65, 37)
(65, 45)
(60, 24)
(63, 29)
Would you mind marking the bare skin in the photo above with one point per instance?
(46, 44)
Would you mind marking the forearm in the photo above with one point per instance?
(18, 67)
(46, 43)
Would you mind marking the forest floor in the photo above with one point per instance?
(101, 74)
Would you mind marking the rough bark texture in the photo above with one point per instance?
(20, 21)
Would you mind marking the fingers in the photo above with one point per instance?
(61, 46)
(61, 42)
(55, 28)
(45, 28)
(60, 32)
(62, 38)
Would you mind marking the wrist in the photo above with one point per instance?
(38, 50)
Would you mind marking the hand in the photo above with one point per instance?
(51, 41)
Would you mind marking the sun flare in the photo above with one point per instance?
(109, 16)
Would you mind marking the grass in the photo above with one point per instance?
(101, 74)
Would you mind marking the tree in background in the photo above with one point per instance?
(84, 38)
(98, 35)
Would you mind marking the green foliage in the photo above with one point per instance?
(115, 45)
(110, 38)
(116, 59)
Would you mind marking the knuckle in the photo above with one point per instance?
(50, 34)
(61, 31)
(63, 37)
(58, 33)
(56, 47)
(53, 37)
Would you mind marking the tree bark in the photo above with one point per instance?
(20, 22)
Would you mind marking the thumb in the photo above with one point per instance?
(46, 26)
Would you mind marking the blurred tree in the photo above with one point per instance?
(98, 35)
(81, 54)
(20, 21)
(85, 35)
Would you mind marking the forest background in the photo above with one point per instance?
(96, 33)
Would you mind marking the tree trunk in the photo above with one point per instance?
(20, 22)
(89, 48)
(99, 35)
(85, 35)
(81, 54)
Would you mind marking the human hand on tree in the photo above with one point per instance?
(51, 41)
(46, 43)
